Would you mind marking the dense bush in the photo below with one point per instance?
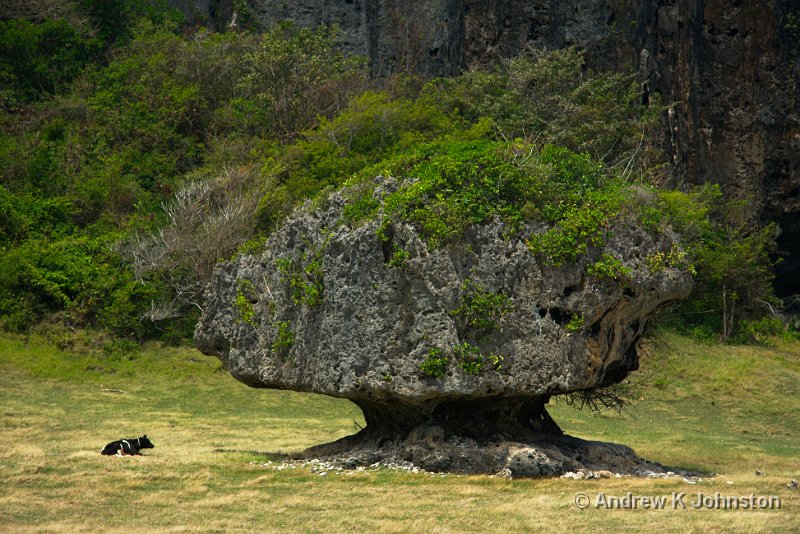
(38, 59)
(730, 258)
(550, 97)
(136, 114)
(80, 275)
(45, 45)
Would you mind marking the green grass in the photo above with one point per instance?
(723, 409)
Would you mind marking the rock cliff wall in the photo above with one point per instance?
(730, 66)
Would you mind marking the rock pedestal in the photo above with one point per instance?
(460, 344)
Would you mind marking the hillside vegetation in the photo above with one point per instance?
(136, 153)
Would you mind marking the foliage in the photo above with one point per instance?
(290, 78)
(435, 364)
(480, 309)
(244, 293)
(675, 257)
(609, 268)
(80, 275)
(571, 176)
(730, 256)
(44, 48)
(284, 338)
(372, 127)
(135, 156)
(457, 183)
(473, 362)
(114, 21)
(576, 322)
(580, 228)
(137, 148)
(361, 208)
(399, 256)
(304, 276)
(37, 59)
(765, 329)
(550, 97)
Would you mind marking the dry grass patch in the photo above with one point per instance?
(213, 437)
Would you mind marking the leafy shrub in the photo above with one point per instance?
(244, 304)
(284, 338)
(120, 348)
(730, 256)
(570, 178)
(551, 98)
(399, 257)
(471, 359)
(580, 228)
(304, 276)
(81, 275)
(458, 183)
(291, 77)
(576, 323)
(44, 48)
(435, 364)
(40, 59)
(481, 310)
(473, 362)
(361, 208)
(609, 268)
(13, 222)
(676, 257)
(371, 128)
(122, 151)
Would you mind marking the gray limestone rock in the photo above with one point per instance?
(325, 309)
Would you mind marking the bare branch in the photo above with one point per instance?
(207, 220)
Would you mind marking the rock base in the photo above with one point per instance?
(513, 436)
(534, 455)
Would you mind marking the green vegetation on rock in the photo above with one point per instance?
(435, 364)
(480, 309)
(244, 305)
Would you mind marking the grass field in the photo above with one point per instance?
(729, 410)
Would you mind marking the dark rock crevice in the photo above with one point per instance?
(481, 419)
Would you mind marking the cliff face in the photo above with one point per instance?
(730, 67)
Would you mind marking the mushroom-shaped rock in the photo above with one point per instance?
(445, 349)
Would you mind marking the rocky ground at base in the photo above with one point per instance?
(428, 450)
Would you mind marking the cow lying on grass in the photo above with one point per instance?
(130, 447)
